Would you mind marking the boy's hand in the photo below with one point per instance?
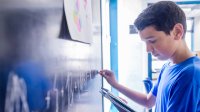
(109, 76)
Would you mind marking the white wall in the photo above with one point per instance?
(132, 54)
(197, 33)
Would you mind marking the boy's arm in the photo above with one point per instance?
(143, 99)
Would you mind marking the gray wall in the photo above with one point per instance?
(52, 65)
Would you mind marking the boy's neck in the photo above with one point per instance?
(181, 54)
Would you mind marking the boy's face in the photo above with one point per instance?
(158, 43)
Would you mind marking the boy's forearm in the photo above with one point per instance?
(134, 95)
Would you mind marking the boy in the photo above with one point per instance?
(162, 26)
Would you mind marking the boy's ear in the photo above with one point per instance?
(178, 31)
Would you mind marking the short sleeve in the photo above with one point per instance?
(155, 87)
(154, 90)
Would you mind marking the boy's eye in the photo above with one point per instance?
(152, 41)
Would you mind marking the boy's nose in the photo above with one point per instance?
(149, 48)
